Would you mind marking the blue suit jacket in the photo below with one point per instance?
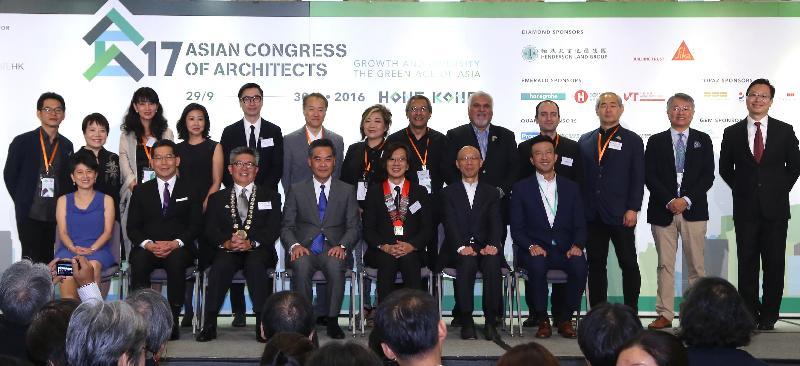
(529, 223)
(617, 184)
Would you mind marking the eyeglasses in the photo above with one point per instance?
(419, 109)
(681, 108)
(243, 164)
(169, 157)
(57, 110)
(398, 160)
(248, 100)
(470, 158)
(759, 96)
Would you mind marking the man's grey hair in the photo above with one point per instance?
(600, 97)
(242, 150)
(24, 288)
(479, 93)
(155, 311)
(99, 333)
(681, 96)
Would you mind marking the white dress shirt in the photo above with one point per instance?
(312, 136)
(751, 131)
(317, 190)
(393, 191)
(470, 188)
(249, 189)
(679, 176)
(256, 124)
(549, 196)
(160, 183)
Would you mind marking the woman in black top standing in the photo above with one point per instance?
(95, 131)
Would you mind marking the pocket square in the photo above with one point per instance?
(181, 199)
(697, 144)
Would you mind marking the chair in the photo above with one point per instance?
(372, 273)
(200, 300)
(114, 270)
(451, 273)
(319, 277)
(554, 276)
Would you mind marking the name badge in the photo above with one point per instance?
(48, 187)
(566, 161)
(361, 190)
(147, 174)
(414, 208)
(150, 141)
(424, 178)
(616, 145)
(265, 205)
(398, 230)
(267, 142)
(182, 199)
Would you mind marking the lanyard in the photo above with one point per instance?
(308, 135)
(396, 215)
(367, 162)
(555, 142)
(553, 208)
(602, 150)
(423, 160)
(47, 162)
(146, 149)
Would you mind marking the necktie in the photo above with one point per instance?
(397, 198)
(680, 153)
(241, 205)
(322, 204)
(165, 205)
(758, 144)
(252, 142)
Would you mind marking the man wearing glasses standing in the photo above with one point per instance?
(35, 175)
(760, 161)
(265, 138)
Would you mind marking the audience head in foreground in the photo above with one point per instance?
(287, 311)
(343, 354)
(412, 330)
(106, 333)
(604, 330)
(528, 354)
(713, 315)
(287, 349)
(155, 311)
(653, 348)
(47, 333)
(24, 288)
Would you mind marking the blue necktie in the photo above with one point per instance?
(680, 154)
(165, 205)
(319, 240)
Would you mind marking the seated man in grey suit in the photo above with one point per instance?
(319, 229)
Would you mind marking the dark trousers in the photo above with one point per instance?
(456, 307)
(557, 305)
(761, 242)
(536, 290)
(37, 239)
(408, 265)
(333, 269)
(144, 262)
(597, 255)
(467, 267)
(254, 265)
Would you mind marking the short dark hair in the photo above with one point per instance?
(97, 119)
(287, 311)
(285, 347)
(132, 123)
(528, 354)
(343, 354)
(82, 157)
(166, 142)
(418, 97)
(713, 315)
(323, 142)
(538, 139)
(604, 330)
(315, 95)
(558, 110)
(665, 348)
(183, 131)
(409, 322)
(385, 113)
(248, 86)
(49, 95)
(762, 81)
(46, 337)
(389, 149)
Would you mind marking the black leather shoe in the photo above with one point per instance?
(766, 326)
(239, 320)
(490, 332)
(186, 321)
(322, 320)
(468, 332)
(334, 330)
(176, 332)
(207, 334)
(456, 322)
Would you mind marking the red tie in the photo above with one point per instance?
(758, 144)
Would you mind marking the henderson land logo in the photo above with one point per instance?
(99, 35)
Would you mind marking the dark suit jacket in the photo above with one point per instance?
(661, 178)
(270, 163)
(379, 229)
(184, 218)
(529, 223)
(301, 223)
(23, 164)
(571, 167)
(481, 222)
(499, 166)
(13, 335)
(437, 163)
(760, 190)
(353, 166)
(265, 227)
(617, 185)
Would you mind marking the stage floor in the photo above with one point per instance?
(238, 345)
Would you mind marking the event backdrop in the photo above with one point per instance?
(359, 54)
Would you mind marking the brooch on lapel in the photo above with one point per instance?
(618, 137)
(697, 144)
(494, 138)
(226, 206)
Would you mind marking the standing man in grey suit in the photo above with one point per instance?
(320, 228)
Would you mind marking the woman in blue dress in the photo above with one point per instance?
(85, 220)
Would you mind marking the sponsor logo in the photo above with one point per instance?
(683, 53)
(643, 97)
(436, 97)
(717, 95)
(100, 35)
(581, 96)
(543, 96)
(648, 59)
(528, 135)
(531, 53)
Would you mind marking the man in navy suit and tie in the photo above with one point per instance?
(760, 161)
(549, 231)
(679, 171)
(613, 165)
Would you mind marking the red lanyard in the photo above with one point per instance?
(423, 160)
(602, 150)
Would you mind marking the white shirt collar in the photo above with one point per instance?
(675, 132)
(317, 183)
(542, 181)
(392, 185)
(239, 188)
(751, 122)
(312, 135)
(171, 182)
